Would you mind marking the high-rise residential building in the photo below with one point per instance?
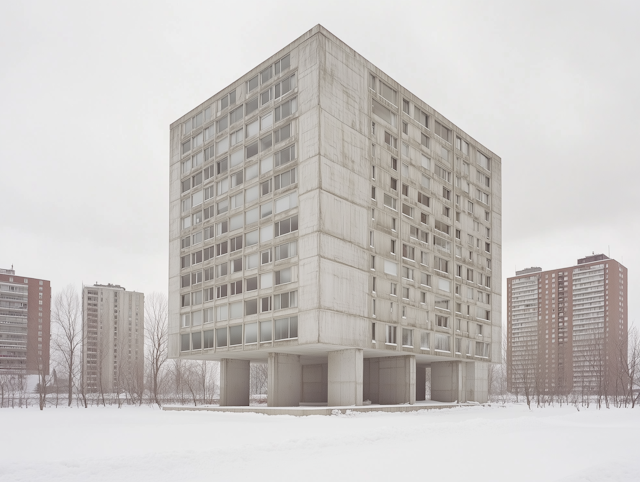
(567, 327)
(113, 335)
(327, 221)
(25, 324)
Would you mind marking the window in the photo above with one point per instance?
(285, 179)
(286, 226)
(281, 134)
(442, 132)
(265, 331)
(420, 116)
(283, 276)
(405, 128)
(286, 109)
(441, 244)
(441, 264)
(251, 307)
(442, 321)
(390, 140)
(287, 250)
(393, 289)
(390, 337)
(390, 267)
(483, 161)
(481, 196)
(383, 113)
(285, 203)
(424, 341)
(265, 96)
(393, 184)
(282, 64)
(285, 300)
(286, 328)
(221, 248)
(406, 293)
(265, 304)
(285, 86)
(482, 349)
(407, 273)
(423, 199)
(442, 173)
(196, 298)
(405, 106)
(408, 252)
(390, 202)
(405, 190)
(266, 280)
(251, 239)
(286, 155)
(462, 145)
(388, 93)
(266, 233)
(407, 337)
(393, 245)
(424, 258)
(185, 342)
(442, 227)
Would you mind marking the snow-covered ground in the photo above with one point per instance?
(467, 444)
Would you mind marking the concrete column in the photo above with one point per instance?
(479, 381)
(397, 381)
(421, 379)
(285, 380)
(448, 381)
(234, 382)
(314, 383)
(344, 385)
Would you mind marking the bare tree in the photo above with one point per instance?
(44, 381)
(156, 334)
(67, 340)
(259, 373)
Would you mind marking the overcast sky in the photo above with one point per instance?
(88, 90)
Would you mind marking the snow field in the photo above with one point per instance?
(468, 444)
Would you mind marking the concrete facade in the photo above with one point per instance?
(566, 327)
(25, 324)
(326, 220)
(113, 338)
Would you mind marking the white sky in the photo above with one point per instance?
(88, 90)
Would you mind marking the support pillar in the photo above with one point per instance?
(448, 381)
(285, 380)
(479, 381)
(397, 382)
(234, 382)
(314, 383)
(421, 379)
(345, 378)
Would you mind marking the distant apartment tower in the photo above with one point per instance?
(25, 323)
(567, 327)
(113, 334)
(328, 222)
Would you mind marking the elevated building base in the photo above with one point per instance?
(310, 410)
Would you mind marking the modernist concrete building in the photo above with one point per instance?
(567, 327)
(25, 323)
(113, 334)
(327, 221)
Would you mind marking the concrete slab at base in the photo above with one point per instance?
(306, 411)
